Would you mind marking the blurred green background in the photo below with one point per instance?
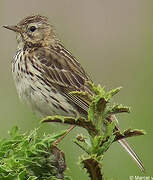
(113, 40)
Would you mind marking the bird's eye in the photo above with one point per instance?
(32, 28)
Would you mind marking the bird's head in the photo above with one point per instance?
(33, 31)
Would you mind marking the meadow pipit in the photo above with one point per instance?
(45, 73)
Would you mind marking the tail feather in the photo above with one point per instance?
(127, 147)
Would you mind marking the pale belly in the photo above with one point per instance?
(43, 100)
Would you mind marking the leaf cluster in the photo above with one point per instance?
(101, 125)
(29, 157)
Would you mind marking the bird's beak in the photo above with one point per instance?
(13, 28)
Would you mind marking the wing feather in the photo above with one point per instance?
(63, 71)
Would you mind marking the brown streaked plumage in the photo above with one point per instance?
(33, 19)
(45, 73)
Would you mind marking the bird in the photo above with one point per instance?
(45, 73)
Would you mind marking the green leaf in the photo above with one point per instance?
(98, 90)
(78, 121)
(111, 93)
(115, 109)
(128, 133)
(82, 95)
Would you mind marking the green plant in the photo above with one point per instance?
(101, 128)
(28, 156)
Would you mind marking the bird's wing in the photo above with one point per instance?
(62, 71)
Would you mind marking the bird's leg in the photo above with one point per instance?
(62, 137)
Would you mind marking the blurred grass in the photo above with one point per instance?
(113, 40)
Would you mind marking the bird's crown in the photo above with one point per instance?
(33, 19)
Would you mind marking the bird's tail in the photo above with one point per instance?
(127, 147)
